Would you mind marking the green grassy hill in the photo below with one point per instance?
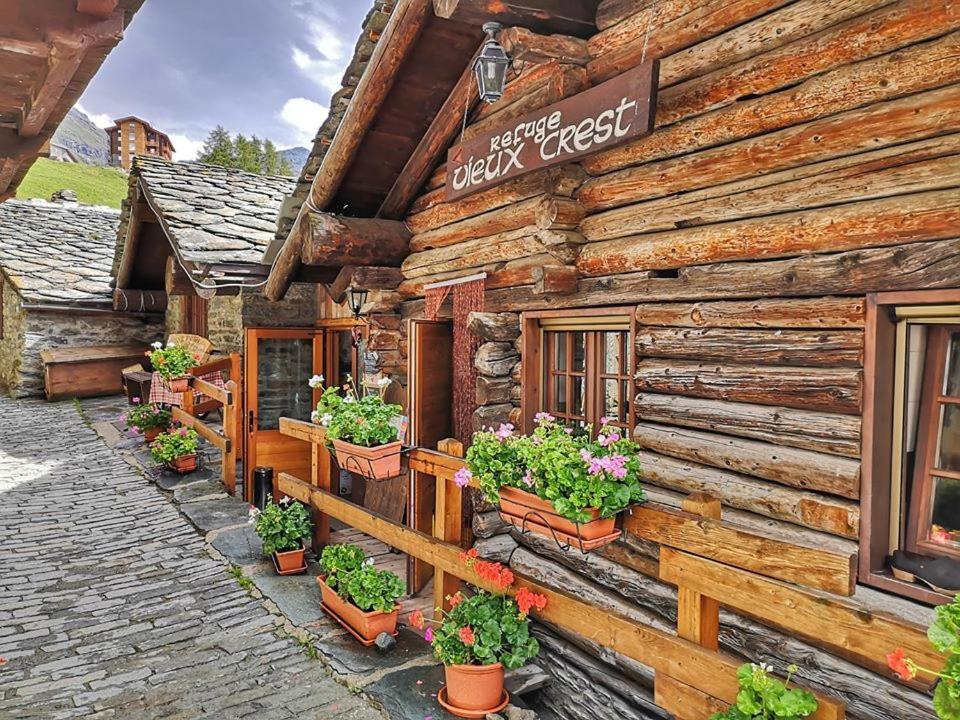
(93, 185)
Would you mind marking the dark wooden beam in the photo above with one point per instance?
(368, 277)
(175, 280)
(335, 241)
(98, 8)
(337, 290)
(439, 136)
(566, 17)
(139, 301)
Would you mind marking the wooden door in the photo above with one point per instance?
(430, 403)
(278, 364)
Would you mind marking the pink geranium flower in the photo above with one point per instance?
(462, 477)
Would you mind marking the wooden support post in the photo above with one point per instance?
(698, 617)
(236, 374)
(230, 430)
(320, 477)
(448, 527)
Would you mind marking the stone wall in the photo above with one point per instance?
(11, 344)
(42, 330)
(225, 323)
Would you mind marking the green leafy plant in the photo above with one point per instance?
(359, 419)
(146, 416)
(175, 443)
(281, 526)
(574, 471)
(371, 589)
(762, 697)
(338, 560)
(944, 635)
(172, 361)
(354, 579)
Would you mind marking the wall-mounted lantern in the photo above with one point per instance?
(357, 299)
(491, 65)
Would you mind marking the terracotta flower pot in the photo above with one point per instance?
(290, 560)
(519, 503)
(474, 687)
(151, 434)
(184, 464)
(375, 463)
(367, 625)
(179, 385)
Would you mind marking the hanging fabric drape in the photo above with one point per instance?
(467, 298)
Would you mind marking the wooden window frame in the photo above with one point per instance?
(879, 446)
(534, 355)
(925, 472)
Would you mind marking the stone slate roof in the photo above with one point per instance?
(373, 26)
(58, 253)
(212, 214)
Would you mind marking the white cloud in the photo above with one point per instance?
(187, 148)
(326, 54)
(101, 120)
(305, 116)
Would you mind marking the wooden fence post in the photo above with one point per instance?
(236, 374)
(447, 526)
(698, 617)
(230, 430)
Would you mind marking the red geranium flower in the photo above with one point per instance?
(456, 600)
(466, 636)
(527, 600)
(901, 664)
(416, 619)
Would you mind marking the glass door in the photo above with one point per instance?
(279, 362)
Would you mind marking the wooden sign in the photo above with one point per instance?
(602, 117)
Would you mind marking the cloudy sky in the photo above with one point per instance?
(263, 67)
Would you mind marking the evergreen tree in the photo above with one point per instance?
(247, 153)
(218, 148)
(285, 169)
(271, 159)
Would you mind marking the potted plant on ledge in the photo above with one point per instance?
(147, 418)
(173, 363)
(556, 482)
(359, 596)
(177, 449)
(366, 430)
(481, 636)
(281, 528)
(762, 697)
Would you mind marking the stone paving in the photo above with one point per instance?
(112, 605)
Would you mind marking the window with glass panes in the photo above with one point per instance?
(586, 375)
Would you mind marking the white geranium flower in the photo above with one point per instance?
(383, 382)
(349, 399)
(171, 343)
(316, 381)
(254, 514)
(368, 561)
(157, 345)
(325, 419)
(285, 501)
(315, 417)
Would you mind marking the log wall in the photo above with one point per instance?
(805, 153)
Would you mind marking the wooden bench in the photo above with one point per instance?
(70, 372)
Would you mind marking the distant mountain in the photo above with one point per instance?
(297, 157)
(79, 140)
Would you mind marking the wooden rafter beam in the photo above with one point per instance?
(98, 8)
(441, 133)
(366, 278)
(567, 17)
(407, 22)
(67, 52)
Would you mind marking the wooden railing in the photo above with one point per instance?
(712, 563)
(227, 398)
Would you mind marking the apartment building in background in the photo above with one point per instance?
(131, 136)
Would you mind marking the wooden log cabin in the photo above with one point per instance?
(764, 288)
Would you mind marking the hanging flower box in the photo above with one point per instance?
(526, 511)
(375, 463)
(561, 483)
(365, 430)
(360, 597)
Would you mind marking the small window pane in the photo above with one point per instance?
(948, 455)
(611, 399)
(560, 351)
(611, 353)
(952, 379)
(945, 520)
(579, 402)
(560, 393)
(579, 351)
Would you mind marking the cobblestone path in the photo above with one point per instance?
(111, 608)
